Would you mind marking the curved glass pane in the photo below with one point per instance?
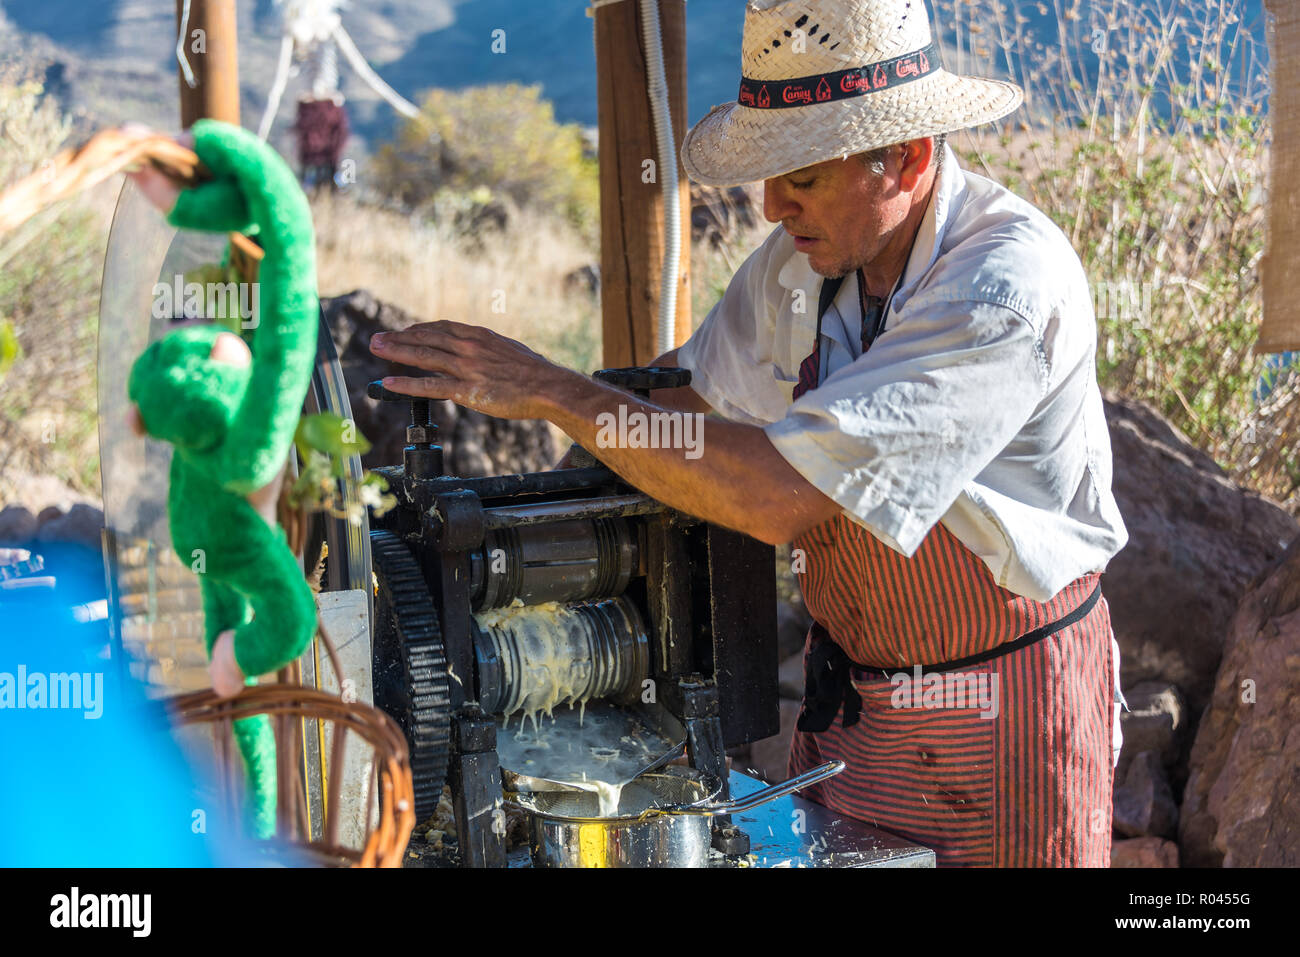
(155, 608)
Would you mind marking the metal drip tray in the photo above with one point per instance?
(602, 743)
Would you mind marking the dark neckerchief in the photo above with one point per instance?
(874, 309)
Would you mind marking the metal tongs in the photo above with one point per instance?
(751, 801)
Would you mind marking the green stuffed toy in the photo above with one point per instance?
(230, 411)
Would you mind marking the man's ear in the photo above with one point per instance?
(918, 156)
(230, 349)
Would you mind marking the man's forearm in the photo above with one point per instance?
(722, 472)
(685, 398)
(737, 479)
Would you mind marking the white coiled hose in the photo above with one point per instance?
(661, 114)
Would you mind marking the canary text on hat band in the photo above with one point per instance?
(841, 85)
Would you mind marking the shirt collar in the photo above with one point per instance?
(945, 200)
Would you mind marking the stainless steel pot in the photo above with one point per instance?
(662, 819)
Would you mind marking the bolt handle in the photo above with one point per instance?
(376, 390)
(420, 417)
(644, 379)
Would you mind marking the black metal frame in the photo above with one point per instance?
(709, 597)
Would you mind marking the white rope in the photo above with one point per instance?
(180, 46)
(354, 57)
(277, 87)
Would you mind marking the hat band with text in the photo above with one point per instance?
(843, 85)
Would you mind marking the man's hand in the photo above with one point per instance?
(227, 678)
(159, 188)
(473, 367)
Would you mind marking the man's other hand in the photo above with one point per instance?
(473, 367)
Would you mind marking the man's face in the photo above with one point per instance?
(839, 212)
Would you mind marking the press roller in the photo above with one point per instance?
(558, 561)
(534, 659)
(538, 659)
(523, 592)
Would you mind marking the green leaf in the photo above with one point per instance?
(10, 350)
(330, 433)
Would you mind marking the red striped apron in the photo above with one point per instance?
(1030, 786)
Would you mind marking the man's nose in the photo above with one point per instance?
(778, 204)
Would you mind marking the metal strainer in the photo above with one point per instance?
(654, 791)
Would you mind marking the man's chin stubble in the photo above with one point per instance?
(835, 271)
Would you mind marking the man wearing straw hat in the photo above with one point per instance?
(904, 380)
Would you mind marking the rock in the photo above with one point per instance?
(1143, 802)
(585, 278)
(81, 525)
(35, 492)
(792, 624)
(1144, 852)
(769, 757)
(1196, 540)
(17, 525)
(48, 514)
(473, 444)
(1156, 721)
(790, 677)
(1239, 807)
(719, 213)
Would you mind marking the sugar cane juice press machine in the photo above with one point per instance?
(648, 598)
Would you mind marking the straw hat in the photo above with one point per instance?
(822, 79)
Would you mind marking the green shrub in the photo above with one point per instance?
(502, 138)
(49, 286)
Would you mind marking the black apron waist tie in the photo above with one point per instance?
(829, 672)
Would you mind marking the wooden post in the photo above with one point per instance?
(210, 47)
(1280, 330)
(631, 210)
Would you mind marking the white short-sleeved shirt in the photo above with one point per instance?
(977, 405)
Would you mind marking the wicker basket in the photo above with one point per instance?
(288, 704)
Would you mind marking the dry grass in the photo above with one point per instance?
(49, 286)
(513, 281)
